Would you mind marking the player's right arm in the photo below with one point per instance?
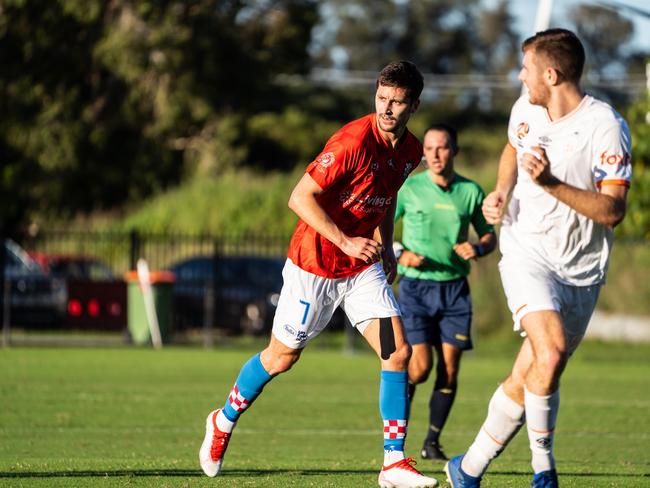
(303, 201)
(495, 202)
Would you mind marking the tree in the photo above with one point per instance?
(498, 49)
(104, 103)
(604, 33)
(363, 32)
(440, 36)
(637, 221)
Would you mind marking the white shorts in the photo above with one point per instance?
(529, 287)
(308, 301)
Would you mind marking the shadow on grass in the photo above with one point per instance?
(176, 472)
(577, 475)
(255, 472)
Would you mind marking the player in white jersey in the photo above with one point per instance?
(587, 148)
(568, 166)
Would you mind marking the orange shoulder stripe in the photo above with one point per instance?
(613, 183)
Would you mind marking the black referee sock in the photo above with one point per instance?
(411, 391)
(439, 408)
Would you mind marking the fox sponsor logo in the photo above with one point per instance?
(522, 130)
(325, 160)
(614, 159)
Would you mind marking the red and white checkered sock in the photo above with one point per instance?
(237, 401)
(394, 433)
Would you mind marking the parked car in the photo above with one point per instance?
(96, 297)
(74, 267)
(36, 299)
(246, 296)
(245, 290)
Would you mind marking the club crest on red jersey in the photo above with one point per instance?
(325, 160)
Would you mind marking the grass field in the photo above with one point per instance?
(135, 417)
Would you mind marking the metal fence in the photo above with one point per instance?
(121, 250)
(229, 283)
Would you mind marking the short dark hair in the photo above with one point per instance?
(562, 49)
(451, 132)
(402, 74)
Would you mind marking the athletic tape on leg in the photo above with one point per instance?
(386, 337)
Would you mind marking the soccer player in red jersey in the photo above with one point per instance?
(341, 254)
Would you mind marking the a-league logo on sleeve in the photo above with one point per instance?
(522, 130)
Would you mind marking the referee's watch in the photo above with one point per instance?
(480, 250)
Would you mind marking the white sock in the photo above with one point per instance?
(541, 414)
(391, 457)
(504, 418)
(223, 424)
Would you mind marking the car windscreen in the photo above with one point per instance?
(263, 272)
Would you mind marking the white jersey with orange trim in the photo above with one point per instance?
(587, 148)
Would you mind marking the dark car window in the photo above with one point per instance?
(233, 271)
(97, 271)
(80, 269)
(265, 273)
(18, 261)
(195, 269)
(67, 269)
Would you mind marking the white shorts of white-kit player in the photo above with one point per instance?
(308, 301)
(529, 287)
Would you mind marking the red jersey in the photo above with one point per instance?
(360, 174)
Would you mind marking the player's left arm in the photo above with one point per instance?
(606, 207)
(487, 238)
(386, 229)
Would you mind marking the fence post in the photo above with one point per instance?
(349, 346)
(5, 294)
(208, 316)
(209, 300)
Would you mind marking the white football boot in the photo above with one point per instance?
(214, 446)
(402, 474)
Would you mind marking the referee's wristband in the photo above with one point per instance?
(480, 250)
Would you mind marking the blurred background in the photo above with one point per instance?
(174, 131)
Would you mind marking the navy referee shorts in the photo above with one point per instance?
(436, 311)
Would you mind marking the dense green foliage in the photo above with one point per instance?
(637, 220)
(233, 203)
(249, 202)
(132, 417)
(107, 103)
